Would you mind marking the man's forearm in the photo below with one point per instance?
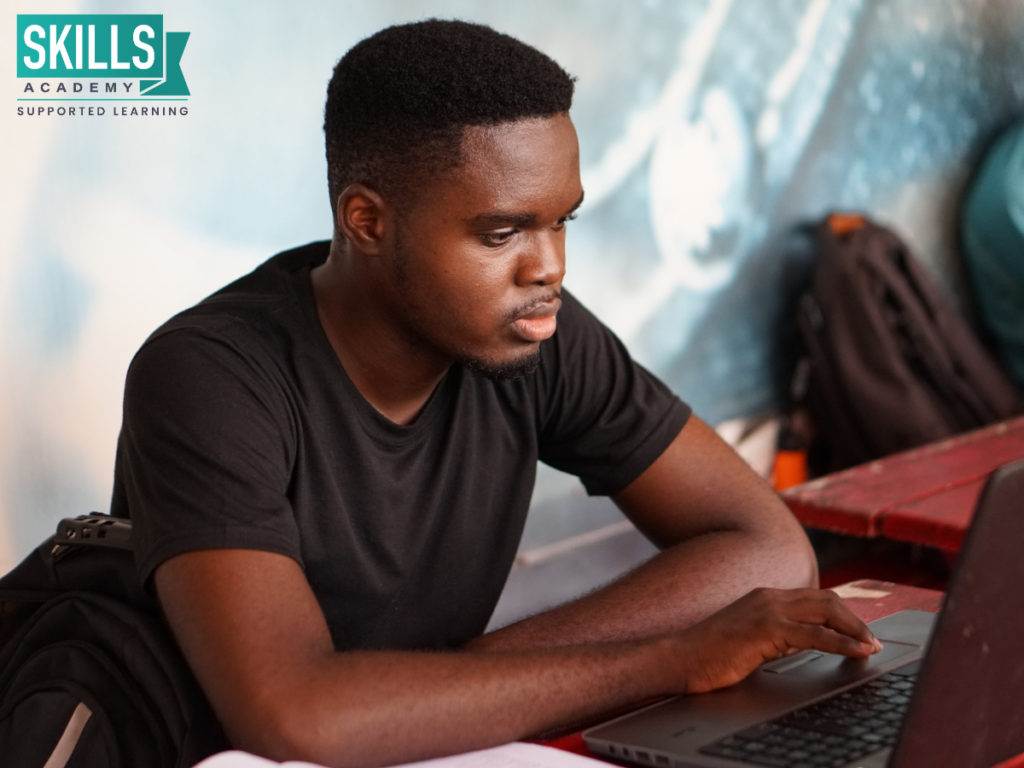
(410, 706)
(257, 641)
(673, 590)
(379, 708)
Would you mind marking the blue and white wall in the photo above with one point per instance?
(709, 128)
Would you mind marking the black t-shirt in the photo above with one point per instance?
(242, 430)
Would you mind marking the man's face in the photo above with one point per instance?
(478, 259)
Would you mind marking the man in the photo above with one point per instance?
(328, 462)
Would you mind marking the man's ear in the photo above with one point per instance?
(362, 217)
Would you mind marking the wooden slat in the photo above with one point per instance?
(940, 520)
(940, 479)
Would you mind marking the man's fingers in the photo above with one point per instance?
(823, 638)
(819, 619)
(858, 632)
(826, 608)
(766, 624)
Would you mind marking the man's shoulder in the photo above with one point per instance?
(257, 320)
(278, 277)
(279, 269)
(273, 295)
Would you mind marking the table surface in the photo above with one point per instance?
(924, 496)
(870, 600)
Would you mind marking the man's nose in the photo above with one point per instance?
(543, 262)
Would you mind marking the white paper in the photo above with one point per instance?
(515, 755)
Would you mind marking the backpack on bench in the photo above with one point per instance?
(888, 363)
(90, 676)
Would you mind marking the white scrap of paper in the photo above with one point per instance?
(846, 591)
(515, 755)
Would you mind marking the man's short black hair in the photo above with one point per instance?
(399, 100)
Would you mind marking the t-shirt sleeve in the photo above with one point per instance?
(603, 417)
(204, 451)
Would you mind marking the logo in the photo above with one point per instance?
(66, 62)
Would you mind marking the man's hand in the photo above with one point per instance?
(764, 625)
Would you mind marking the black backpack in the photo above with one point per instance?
(888, 363)
(90, 675)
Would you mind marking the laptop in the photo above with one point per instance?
(946, 690)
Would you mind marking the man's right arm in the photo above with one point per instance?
(257, 640)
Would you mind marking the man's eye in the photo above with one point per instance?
(494, 239)
(564, 220)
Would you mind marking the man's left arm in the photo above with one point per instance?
(722, 530)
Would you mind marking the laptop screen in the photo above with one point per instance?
(968, 709)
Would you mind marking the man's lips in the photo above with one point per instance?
(538, 322)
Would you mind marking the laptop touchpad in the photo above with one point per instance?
(816, 662)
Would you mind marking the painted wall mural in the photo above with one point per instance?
(710, 130)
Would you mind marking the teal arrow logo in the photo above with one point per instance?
(173, 83)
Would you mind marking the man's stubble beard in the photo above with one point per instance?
(505, 370)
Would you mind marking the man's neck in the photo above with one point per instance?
(396, 379)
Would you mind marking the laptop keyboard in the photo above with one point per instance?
(832, 732)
